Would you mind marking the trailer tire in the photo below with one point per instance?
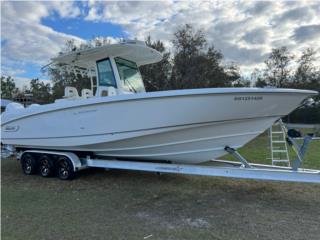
(46, 166)
(65, 168)
(29, 164)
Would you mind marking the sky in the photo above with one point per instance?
(32, 32)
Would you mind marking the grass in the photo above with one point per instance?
(118, 204)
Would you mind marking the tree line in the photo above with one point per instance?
(283, 69)
(193, 62)
(42, 93)
(279, 70)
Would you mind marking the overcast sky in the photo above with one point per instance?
(245, 31)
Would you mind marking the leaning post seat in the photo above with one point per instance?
(71, 92)
(106, 91)
(86, 93)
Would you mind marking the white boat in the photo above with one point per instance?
(122, 121)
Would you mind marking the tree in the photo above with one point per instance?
(242, 82)
(257, 78)
(306, 69)
(216, 74)
(195, 65)
(8, 87)
(41, 92)
(188, 57)
(61, 76)
(279, 74)
(277, 70)
(307, 76)
(156, 76)
(233, 76)
(306, 73)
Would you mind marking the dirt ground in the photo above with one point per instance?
(116, 204)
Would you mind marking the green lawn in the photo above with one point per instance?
(119, 204)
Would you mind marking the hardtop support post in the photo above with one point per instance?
(238, 156)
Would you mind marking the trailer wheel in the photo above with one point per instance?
(46, 166)
(29, 164)
(65, 168)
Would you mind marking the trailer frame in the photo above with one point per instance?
(217, 168)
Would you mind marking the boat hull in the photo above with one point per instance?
(189, 144)
(178, 126)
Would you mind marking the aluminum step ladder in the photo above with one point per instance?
(278, 145)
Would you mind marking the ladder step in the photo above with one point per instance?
(283, 160)
(278, 141)
(279, 151)
(277, 132)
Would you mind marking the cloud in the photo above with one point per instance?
(26, 43)
(8, 70)
(307, 33)
(300, 14)
(25, 39)
(245, 31)
(261, 7)
(257, 36)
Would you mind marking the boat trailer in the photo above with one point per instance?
(68, 163)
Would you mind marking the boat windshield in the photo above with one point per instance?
(130, 76)
(105, 73)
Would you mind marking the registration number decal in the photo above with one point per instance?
(248, 98)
